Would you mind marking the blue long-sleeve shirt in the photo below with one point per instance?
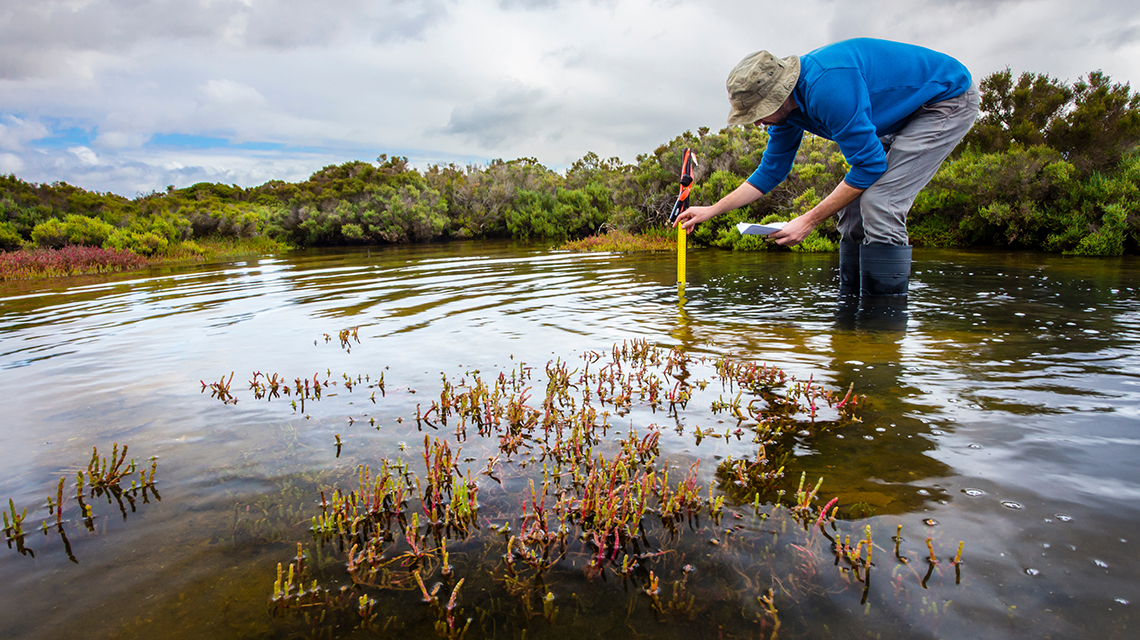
(852, 92)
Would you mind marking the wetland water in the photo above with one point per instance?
(1004, 406)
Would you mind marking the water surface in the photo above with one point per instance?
(1005, 398)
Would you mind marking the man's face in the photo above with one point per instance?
(776, 118)
(779, 117)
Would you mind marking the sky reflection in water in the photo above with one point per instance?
(1008, 379)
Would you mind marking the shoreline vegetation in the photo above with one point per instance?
(1049, 165)
(79, 260)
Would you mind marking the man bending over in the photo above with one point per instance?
(895, 110)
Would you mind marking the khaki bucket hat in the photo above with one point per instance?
(759, 85)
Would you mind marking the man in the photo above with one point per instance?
(895, 110)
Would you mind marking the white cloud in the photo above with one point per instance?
(230, 93)
(85, 155)
(10, 163)
(15, 132)
(440, 79)
(120, 139)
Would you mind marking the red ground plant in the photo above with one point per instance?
(68, 261)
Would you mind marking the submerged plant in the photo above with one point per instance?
(105, 477)
(569, 496)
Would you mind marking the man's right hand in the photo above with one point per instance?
(693, 216)
(743, 195)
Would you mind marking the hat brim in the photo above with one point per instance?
(773, 101)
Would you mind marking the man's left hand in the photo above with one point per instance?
(794, 232)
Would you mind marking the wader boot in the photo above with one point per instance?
(849, 269)
(884, 269)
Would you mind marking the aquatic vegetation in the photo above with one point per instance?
(105, 478)
(276, 516)
(272, 386)
(523, 480)
(347, 336)
(220, 389)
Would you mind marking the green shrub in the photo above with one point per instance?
(352, 231)
(191, 247)
(10, 239)
(74, 229)
(146, 243)
(1094, 215)
(406, 214)
(816, 242)
(990, 198)
(1108, 240)
(566, 213)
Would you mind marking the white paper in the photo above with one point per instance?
(754, 229)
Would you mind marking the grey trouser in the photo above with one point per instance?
(914, 154)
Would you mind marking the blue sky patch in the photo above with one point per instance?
(65, 137)
(187, 141)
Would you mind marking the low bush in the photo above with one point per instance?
(9, 237)
(618, 241)
(72, 230)
(146, 243)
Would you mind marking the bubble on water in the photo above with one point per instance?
(930, 522)
(1121, 601)
(840, 436)
(1010, 504)
(1101, 563)
(923, 492)
(1045, 545)
(973, 493)
(880, 429)
(1031, 571)
(974, 446)
(937, 432)
(868, 437)
(1063, 518)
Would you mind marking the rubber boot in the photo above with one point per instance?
(884, 270)
(882, 314)
(849, 268)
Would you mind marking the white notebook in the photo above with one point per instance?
(753, 229)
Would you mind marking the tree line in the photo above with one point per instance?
(1049, 165)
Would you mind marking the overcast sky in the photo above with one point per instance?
(132, 95)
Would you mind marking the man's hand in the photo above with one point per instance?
(693, 216)
(740, 196)
(794, 232)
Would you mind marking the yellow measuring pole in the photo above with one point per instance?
(680, 254)
(687, 162)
